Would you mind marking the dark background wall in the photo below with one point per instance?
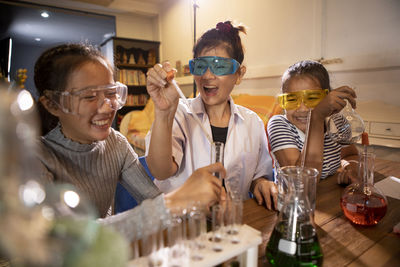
(22, 22)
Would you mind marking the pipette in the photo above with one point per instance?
(171, 79)
(303, 156)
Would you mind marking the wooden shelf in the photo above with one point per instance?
(144, 54)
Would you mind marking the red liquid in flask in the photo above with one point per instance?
(363, 209)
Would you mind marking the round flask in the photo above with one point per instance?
(362, 203)
(345, 127)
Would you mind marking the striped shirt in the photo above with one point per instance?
(283, 134)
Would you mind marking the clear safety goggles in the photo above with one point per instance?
(72, 102)
(218, 65)
(310, 98)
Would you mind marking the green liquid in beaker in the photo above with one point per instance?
(306, 251)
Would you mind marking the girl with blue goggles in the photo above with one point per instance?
(218, 65)
(178, 144)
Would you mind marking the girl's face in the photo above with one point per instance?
(94, 120)
(299, 116)
(215, 90)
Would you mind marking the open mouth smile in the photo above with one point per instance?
(210, 89)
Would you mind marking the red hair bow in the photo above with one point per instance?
(224, 27)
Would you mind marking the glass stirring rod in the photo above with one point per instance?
(303, 156)
(170, 78)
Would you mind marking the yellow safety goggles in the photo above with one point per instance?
(310, 98)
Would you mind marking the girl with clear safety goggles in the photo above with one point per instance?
(303, 89)
(72, 102)
(78, 103)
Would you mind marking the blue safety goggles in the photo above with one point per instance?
(218, 65)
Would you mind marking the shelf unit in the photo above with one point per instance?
(132, 58)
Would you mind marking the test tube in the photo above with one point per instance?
(197, 231)
(217, 220)
(217, 154)
(234, 217)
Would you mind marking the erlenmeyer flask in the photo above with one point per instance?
(294, 240)
(362, 203)
(346, 126)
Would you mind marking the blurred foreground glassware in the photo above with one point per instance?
(177, 253)
(150, 239)
(362, 203)
(294, 240)
(21, 193)
(346, 126)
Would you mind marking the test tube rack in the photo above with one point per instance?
(249, 238)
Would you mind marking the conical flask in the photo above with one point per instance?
(362, 203)
(294, 240)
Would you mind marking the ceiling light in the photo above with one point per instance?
(44, 14)
(37, 39)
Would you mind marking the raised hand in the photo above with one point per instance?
(335, 101)
(163, 93)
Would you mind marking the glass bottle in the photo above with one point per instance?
(346, 126)
(362, 203)
(294, 240)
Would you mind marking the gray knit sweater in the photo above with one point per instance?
(96, 168)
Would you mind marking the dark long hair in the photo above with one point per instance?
(53, 69)
(223, 34)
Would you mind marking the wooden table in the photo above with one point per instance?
(343, 243)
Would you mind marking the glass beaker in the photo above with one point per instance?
(345, 127)
(362, 203)
(294, 240)
(310, 185)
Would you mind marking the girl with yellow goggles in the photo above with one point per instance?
(287, 131)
